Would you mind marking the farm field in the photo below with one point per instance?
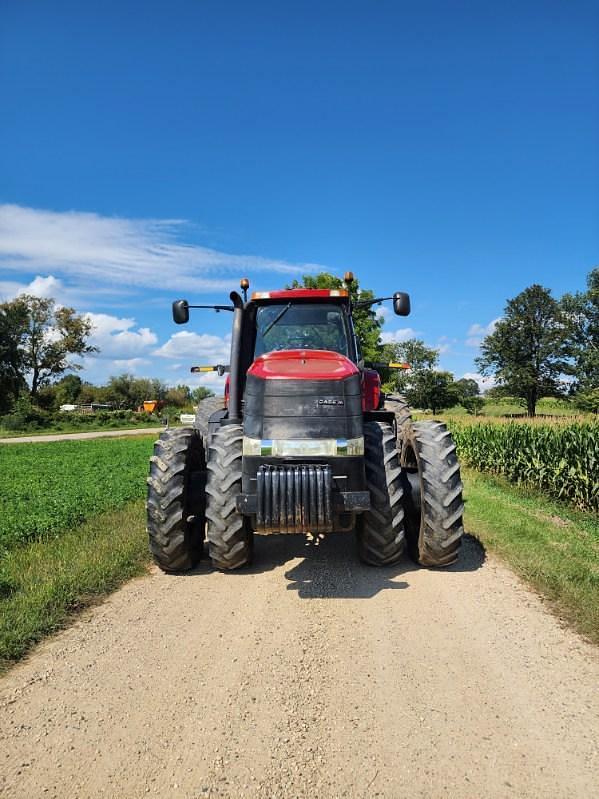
(561, 458)
(48, 487)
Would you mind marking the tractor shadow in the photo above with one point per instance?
(329, 567)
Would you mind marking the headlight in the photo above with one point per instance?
(308, 447)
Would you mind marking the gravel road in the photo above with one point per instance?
(309, 675)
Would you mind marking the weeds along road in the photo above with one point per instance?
(310, 675)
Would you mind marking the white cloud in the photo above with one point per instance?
(382, 312)
(138, 253)
(116, 338)
(130, 364)
(484, 383)
(195, 347)
(476, 332)
(47, 287)
(397, 336)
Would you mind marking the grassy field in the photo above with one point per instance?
(48, 487)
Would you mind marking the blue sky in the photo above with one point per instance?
(156, 150)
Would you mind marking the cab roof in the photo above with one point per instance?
(301, 294)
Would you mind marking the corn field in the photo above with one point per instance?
(560, 459)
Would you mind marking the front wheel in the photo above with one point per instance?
(230, 537)
(433, 494)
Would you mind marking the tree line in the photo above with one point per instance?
(39, 344)
(541, 347)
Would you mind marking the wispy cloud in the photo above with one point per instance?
(131, 364)
(397, 336)
(476, 332)
(184, 346)
(136, 253)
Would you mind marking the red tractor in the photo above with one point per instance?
(303, 441)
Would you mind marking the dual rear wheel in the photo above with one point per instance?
(191, 496)
(415, 493)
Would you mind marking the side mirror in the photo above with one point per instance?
(180, 312)
(401, 303)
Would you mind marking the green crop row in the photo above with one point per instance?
(48, 487)
(562, 460)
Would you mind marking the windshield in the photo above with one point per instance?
(310, 326)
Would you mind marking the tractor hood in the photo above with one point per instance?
(302, 394)
(302, 365)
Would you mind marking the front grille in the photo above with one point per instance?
(294, 499)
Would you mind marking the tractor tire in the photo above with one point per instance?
(432, 494)
(206, 408)
(175, 502)
(380, 530)
(403, 415)
(230, 536)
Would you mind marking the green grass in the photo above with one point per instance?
(552, 546)
(48, 487)
(45, 581)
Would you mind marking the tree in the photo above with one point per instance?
(200, 393)
(587, 400)
(178, 396)
(473, 405)
(581, 316)
(467, 388)
(13, 330)
(366, 323)
(41, 337)
(414, 352)
(68, 390)
(90, 394)
(527, 350)
(127, 391)
(468, 393)
(429, 388)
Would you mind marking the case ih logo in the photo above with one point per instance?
(330, 401)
